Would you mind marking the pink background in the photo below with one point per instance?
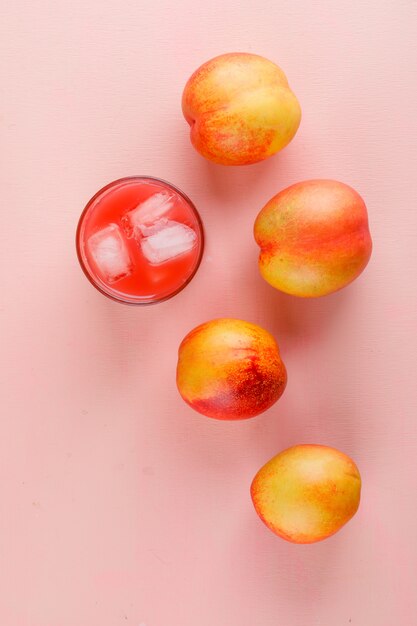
(119, 504)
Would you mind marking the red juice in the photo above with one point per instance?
(139, 240)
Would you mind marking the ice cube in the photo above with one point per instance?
(110, 253)
(147, 212)
(167, 240)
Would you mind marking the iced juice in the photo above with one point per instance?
(139, 240)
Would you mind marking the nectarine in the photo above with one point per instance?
(230, 369)
(314, 238)
(307, 492)
(240, 108)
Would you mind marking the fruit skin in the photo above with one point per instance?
(229, 369)
(240, 108)
(307, 492)
(314, 238)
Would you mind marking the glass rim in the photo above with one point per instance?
(119, 298)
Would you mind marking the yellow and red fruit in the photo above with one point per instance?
(230, 369)
(240, 109)
(307, 493)
(314, 238)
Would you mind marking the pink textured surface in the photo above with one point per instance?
(119, 505)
